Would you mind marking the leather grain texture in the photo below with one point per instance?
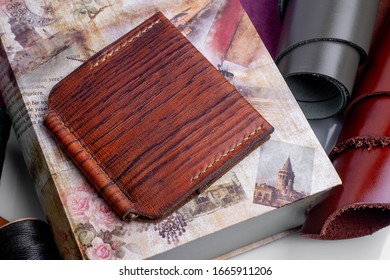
(150, 121)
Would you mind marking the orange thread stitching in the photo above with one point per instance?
(123, 45)
(227, 153)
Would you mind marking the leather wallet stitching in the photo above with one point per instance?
(124, 44)
(228, 152)
(94, 160)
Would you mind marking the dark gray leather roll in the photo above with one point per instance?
(282, 8)
(348, 21)
(321, 46)
(321, 76)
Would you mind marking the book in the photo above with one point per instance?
(265, 194)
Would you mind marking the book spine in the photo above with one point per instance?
(32, 151)
(80, 154)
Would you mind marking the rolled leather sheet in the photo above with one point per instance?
(321, 46)
(362, 158)
(321, 85)
(265, 16)
(348, 21)
(376, 72)
(380, 24)
(379, 28)
(359, 207)
(367, 118)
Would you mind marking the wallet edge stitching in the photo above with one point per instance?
(228, 152)
(123, 45)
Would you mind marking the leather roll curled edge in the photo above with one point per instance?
(362, 158)
(322, 44)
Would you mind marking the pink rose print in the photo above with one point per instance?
(100, 250)
(102, 217)
(103, 252)
(79, 203)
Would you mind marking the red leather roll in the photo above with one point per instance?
(375, 76)
(382, 20)
(370, 117)
(362, 158)
(380, 23)
(361, 206)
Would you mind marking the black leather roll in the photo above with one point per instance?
(348, 21)
(321, 47)
(321, 85)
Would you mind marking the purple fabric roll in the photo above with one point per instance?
(265, 17)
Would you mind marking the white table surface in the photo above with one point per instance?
(19, 200)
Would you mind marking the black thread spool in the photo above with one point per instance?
(26, 239)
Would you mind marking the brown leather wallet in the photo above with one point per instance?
(150, 121)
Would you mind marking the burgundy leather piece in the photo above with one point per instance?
(265, 16)
(369, 117)
(375, 79)
(151, 122)
(362, 205)
(381, 23)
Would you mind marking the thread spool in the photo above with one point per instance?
(27, 239)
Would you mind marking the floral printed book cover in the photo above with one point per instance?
(43, 41)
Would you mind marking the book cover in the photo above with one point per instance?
(44, 41)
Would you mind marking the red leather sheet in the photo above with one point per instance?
(375, 78)
(380, 27)
(369, 117)
(361, 205)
